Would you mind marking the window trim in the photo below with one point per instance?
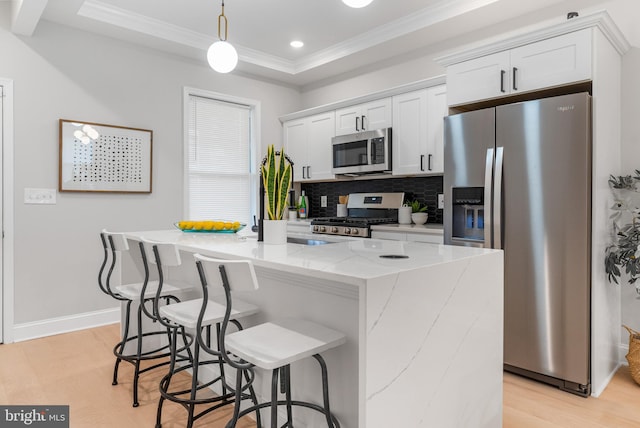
(254, 107)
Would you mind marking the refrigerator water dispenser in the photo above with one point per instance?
(468, 213)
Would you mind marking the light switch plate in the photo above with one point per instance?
(39, 196)
(440, 201)
(323, 201)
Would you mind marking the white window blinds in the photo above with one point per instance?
(219, 173)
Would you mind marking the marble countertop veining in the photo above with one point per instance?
(349, 260)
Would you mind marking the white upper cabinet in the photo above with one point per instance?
(543, 64)
(307, 141)
(363, 117)
(417, 134)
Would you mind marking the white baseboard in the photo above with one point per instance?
(52, 326)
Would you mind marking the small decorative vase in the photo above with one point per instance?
(274, 231)
(404, 215)
(419, 218)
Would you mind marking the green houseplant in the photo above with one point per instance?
(276, 177)
(623, 255)
(276, 174)
(416, 206)
(418, 211)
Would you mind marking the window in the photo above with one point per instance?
(220, 176)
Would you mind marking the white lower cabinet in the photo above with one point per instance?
(432, 238)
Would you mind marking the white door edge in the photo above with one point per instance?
(6, 267)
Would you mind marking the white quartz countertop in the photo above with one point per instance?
(350, 260)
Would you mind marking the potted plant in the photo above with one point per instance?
(418, 211)
(624, 253)
(276, 174)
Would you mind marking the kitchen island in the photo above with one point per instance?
(423, 324)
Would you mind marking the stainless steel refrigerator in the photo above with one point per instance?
(518, 177)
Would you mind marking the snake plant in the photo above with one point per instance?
(276, 177)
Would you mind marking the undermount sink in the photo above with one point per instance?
(307, 241)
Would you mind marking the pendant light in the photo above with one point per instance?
(222, 56)
(357, 3)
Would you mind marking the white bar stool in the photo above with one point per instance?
(185, 315)
(115, 244)
(270, 346)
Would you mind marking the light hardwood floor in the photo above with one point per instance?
(76, 368)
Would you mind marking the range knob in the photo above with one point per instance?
(354, 231)
(316, 228)
(334, 229)
(323, 229)
(347, 230)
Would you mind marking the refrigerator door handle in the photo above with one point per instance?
(497, 199)
(488, 197)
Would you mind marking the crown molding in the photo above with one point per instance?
(601, 20)
(436, 13)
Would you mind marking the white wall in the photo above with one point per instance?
(65, 73)
(630, 162)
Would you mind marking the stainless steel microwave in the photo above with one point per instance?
(362, 153)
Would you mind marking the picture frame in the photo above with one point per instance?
(95, 157)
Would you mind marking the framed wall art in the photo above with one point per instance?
(95, 157)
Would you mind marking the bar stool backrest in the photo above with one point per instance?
(236, 275)
(118, 242)
(167, 254)
(113, 244)
(240, 273)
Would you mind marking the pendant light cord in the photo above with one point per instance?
(221, 19)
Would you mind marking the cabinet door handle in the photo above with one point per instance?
(515, 86)
(421, 162)
(362, 122)
(357, 126)
(502, 74)
(429, 163)
(309, 172)
(303, 172)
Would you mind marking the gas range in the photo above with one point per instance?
(364, 210)
(348, 226)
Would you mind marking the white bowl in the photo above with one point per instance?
(419, 218)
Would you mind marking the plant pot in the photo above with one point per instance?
(274, 231)
(633, 356)
(419, 218)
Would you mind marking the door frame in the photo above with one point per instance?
(7, 286)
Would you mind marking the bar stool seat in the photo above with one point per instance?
(186, 313)
(134, 291)
(276, 344)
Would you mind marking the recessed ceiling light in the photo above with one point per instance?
(357, 3)
(296, 44)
